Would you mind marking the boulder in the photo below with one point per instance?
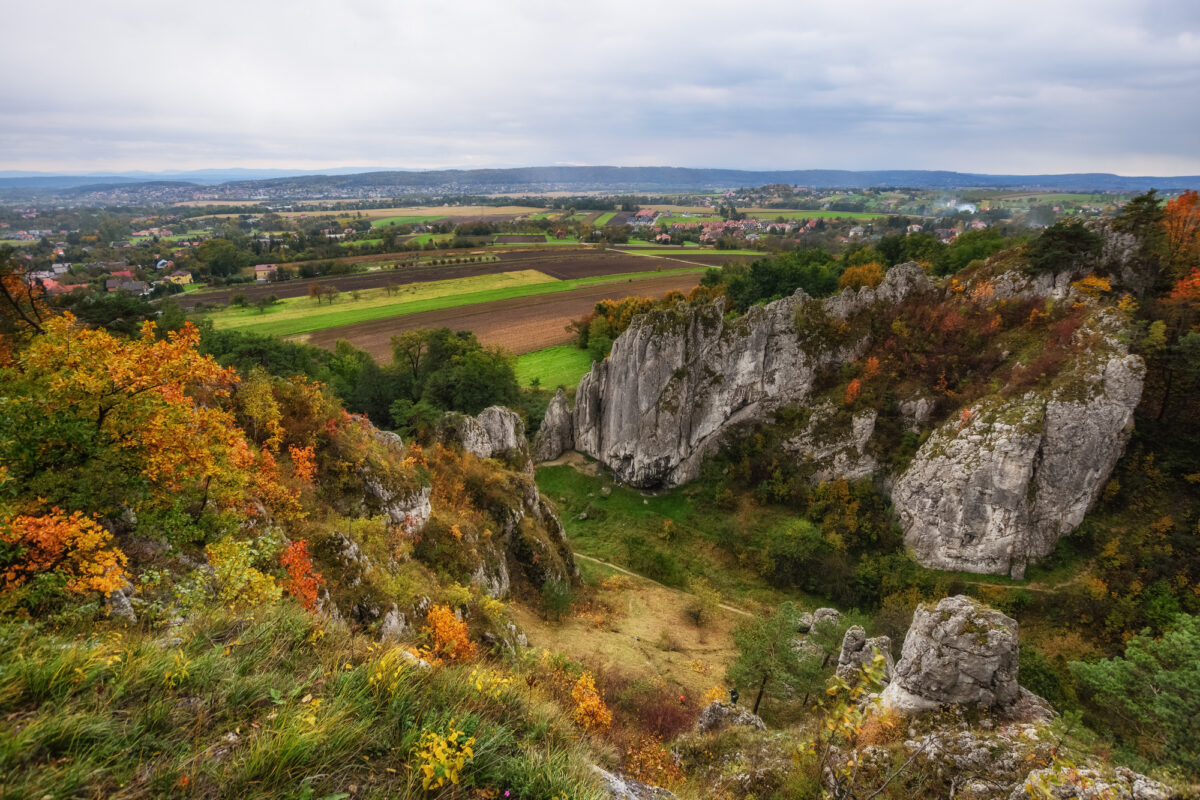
(1000, 484)
(721, 715)
(617, 787)
(858, 651)
(959, 652)
(555, 436)
(496, 432)
(1060, 783)
(808, 620)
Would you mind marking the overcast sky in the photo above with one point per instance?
(1018, 86)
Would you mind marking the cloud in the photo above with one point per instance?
(1015, 87)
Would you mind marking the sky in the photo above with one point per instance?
(1021, 86)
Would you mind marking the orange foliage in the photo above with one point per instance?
(303, 582)
(853, 391)
(871, 368)
(861, 275)
(23, 310)
(74, 546)
(1181, 226)
(1187, 290)
(448, 635)
(590, 711)
(648, 761)
(304, 462)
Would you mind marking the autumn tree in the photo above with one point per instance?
(101, 424)
(1181, 234)
(23, 311)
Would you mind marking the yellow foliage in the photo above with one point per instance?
(716, 694)
(441, 759)
(647, 760)
(1092, 286)
(857, 277)
(590, 711)
(240, 585)
(489, 683)
(74, 546)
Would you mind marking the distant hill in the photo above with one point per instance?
(236, 184)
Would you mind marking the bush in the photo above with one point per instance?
(556, 599)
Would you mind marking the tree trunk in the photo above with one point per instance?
(758, 699)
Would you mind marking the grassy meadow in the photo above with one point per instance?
(562, 364)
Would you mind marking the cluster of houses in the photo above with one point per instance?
(119, 277)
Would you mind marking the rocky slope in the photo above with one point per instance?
(995, 485)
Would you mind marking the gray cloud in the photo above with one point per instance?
(1022, 86)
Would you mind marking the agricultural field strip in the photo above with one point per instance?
(336, 315)
(437, 212)
(303, 306)
(700, 213)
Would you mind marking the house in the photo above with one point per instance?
(264, 272)
(164, 264)
(179, 276)
(127, 286)
(857, 230)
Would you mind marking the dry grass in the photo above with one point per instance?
(641, 617)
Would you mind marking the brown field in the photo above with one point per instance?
(562, 262)
(520, 324)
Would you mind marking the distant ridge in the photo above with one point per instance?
(593, 179)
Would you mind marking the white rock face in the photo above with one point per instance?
(988, 491)
(495, 430)
(957, 653)
(858, 651)
(677, 380)
(555, 436)
(1000, 488)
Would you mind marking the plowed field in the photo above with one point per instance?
(521, 324)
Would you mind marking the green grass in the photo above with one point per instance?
(269, 704)
(554, 366)
(383, 222)
(626, 528)
(303, 315)
(604, 218)
(358, 242)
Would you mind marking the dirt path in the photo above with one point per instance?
(519, 324)
(651, 580)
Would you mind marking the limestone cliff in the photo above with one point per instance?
(998, 479)
(1000, 484)
(678, 380)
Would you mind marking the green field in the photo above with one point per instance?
(303, 315)
(383, 222)
(561, 365)
(604, 218)
(661, 254)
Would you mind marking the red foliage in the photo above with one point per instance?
(853, 391)
(303, 582)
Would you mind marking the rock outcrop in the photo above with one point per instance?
(496, 432)
(718, 716)
(959, 652)
(999, 485)
(617, 787)
(556, 435)
(858, 651)
(677, 380)
(391, 491)
(993, 487)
